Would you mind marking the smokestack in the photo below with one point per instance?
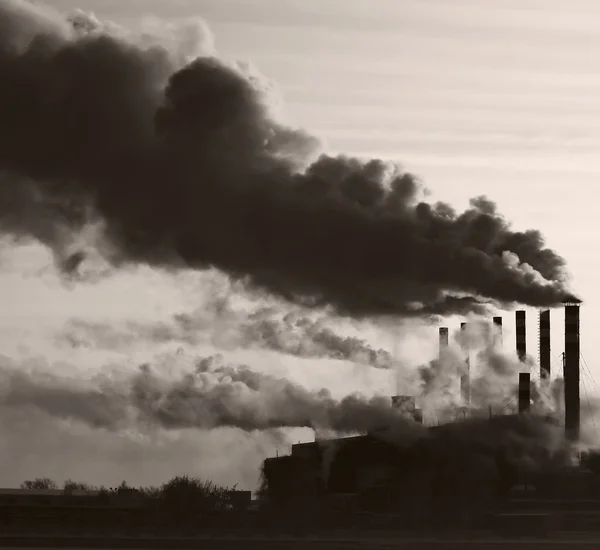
(544, 343)
(497, 331)
(465, 379)
(524, 392)
(521, 333)
(571, 371)
(443, 338)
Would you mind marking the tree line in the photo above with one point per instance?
(182, 494)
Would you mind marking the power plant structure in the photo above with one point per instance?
(521, 334)
(465, 379)
(571, 374)
(408, 405)
(497, 333)
(544, 344)
(524, 395)
(375, 471)
(444, 341)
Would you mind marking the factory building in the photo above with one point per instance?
(375, 473)
(356, 467)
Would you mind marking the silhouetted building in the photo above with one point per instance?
(362, 466)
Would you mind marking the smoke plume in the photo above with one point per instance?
(291, 333)
(178, 159)
(212, 395)
(493, 379)
(493, 385)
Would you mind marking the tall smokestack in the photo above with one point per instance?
(571, 371)
(497, 331)
(443, 338)
(545, 344)
(465, 379)
(521, 334)
(524, 392)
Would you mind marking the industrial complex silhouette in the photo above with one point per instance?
(493, 473)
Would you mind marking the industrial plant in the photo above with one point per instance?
(518, 471)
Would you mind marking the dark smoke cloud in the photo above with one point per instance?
(212, 395)
(186, 165)
(265, 328)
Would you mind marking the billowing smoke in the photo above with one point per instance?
(177, 158)
(211, 395)
(493, 380)
(493, 383)
(291, 333)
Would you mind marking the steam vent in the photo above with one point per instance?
(462, 473)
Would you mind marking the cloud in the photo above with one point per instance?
(218, 323)
(210, 395)
(36, 304)
(178, 156)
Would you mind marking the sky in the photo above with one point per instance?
(476, 98)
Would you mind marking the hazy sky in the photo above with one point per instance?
(479, 97)
(496, 98)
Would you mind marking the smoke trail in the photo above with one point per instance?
(265, 328)
(212, 395)
(303, 336)
(185, 163)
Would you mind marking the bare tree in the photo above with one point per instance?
(39, 483)
(151, 494)
(70, 485)
(124, 486)
(186, 499)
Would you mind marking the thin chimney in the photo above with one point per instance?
(443, 332)
(571, 372)
(524, 392)
(521, 334)
(497, 331)
(465, 379)
(545, 344)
